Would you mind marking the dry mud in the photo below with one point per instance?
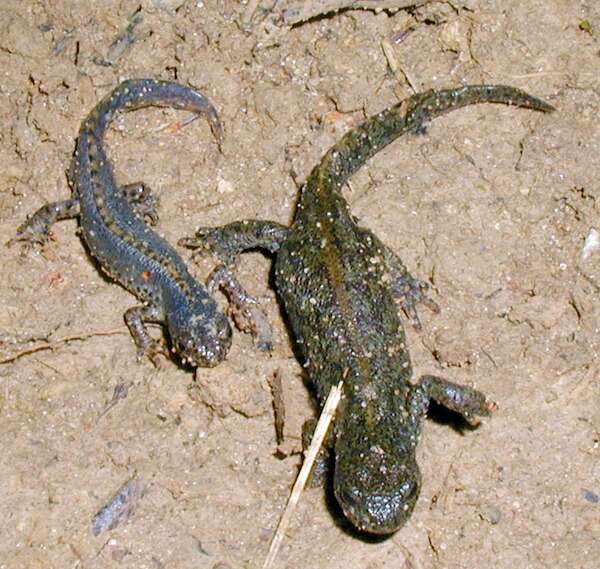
(492, 206)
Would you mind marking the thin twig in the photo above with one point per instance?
(56, 343)
(297, 11)
(321, 429)
(399, 72)
(278, 405)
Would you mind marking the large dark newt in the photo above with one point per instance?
(339, 285)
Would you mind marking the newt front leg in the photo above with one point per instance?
(467, 401)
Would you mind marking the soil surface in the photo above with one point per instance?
(496, 207)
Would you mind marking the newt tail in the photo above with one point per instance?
(410, 115)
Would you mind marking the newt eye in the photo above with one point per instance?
(408, 492)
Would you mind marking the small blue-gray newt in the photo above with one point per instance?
(114, 223)
(339, 286)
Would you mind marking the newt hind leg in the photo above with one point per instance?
(323, 468)
(243, 308)
(227, 243)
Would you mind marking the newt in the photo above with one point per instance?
(340, 288)
(115, 226)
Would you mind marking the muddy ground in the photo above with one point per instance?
(492, 206)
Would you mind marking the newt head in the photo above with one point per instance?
(201, 341)
(377, 489)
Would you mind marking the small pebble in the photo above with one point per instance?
(592, 244)
(120, 507)
(490, 513)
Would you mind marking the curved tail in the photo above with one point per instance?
(137, 93)
(410, 115)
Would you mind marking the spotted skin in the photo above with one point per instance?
(114, 227)
(340, 287)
